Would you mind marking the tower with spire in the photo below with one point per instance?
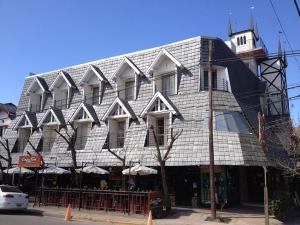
(249, 47)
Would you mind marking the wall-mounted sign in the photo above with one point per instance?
(30, 161)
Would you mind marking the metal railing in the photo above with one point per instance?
(108, 200)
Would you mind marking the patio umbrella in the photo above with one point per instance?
(54, 170)
(139, 170)
(92, 169)
(18, 170)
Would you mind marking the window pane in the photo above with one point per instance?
(160, 130)
(10, 189)
(205, 80)
(120, 134)
(241, 123)
(220, 122)
(168, 84)
(129, 90)
(95, 99)
(230, 122)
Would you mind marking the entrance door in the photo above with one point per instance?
(255, 180)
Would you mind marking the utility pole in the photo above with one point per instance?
(261, 138)
(210, 138)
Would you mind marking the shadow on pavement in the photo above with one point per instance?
(179, 212)
(28, 212)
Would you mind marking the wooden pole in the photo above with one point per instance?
(210, 140)
(261, 138)
(266, 198)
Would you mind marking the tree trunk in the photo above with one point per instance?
(123, 180)
(165, 186)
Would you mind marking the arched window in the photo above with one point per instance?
(238, 41)
(241, 39)
(245, 40)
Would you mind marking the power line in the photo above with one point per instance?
(285, 35)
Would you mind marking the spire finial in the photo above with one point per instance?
(284, 58)
(229, 28)
(279, 49)
(251, 22)
(257, 32)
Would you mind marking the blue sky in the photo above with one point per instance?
(39, 36)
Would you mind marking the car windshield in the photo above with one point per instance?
(10, 189)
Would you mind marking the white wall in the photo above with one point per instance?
(245, 47)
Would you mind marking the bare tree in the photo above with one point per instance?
(162, 158)
(8, 158)
(121, 155)
(287, 137)
(71, 141)
(37, 153)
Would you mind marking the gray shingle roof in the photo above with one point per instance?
(191, 148)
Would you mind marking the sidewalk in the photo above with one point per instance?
(179, 216)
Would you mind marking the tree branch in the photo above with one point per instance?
(116, 155)
(36, 151)
(6, 148)
(170, 146)
(159, 158)
(68, 142)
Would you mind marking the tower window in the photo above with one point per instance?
(245, 40)
(238, 41)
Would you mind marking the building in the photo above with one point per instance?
(113, 102)
(7, 114)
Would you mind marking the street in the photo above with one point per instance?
(17, 218)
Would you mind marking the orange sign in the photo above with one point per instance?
(30, 161)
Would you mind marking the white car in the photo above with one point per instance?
(11, 198)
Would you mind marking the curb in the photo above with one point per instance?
(82, 218)
(93, 219)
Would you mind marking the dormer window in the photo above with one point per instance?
(62, 87)
(127, 80)
(159, 114)
(37, 93)
(52, 120)
(93, 84)
(83, 119)
(118, 117)
(164, 70)
(25, 126)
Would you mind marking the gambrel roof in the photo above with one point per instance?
(41, 84)
(162, 54)
(170, 106)
(92, 70)
(56, 113)
(65, 77)
(124, 105)
(88, 109)
(30, 117)
(125, 63)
